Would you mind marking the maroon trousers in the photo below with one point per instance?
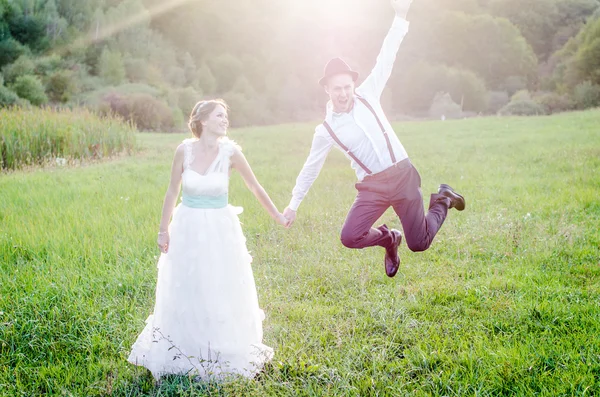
(399, 187)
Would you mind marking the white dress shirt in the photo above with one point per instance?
(358, 129)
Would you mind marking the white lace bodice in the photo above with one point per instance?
(215, 181)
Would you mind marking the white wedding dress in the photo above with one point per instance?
(206, 319)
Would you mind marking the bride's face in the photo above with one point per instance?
(217, 122)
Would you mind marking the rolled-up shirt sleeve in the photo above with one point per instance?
(320, 148)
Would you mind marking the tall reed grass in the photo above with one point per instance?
(36, 136)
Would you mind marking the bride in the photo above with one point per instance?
(206, 319)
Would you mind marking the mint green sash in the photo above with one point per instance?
(207, 202)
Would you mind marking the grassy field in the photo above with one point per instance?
(504, 303)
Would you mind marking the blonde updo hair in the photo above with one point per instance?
(201, 111)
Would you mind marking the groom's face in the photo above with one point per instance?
(341, 92)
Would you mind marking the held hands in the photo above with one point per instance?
(287, 218)
(401, 7)
(163, 241)
(283, 221)
(290, 215)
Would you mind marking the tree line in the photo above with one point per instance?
(151, 60)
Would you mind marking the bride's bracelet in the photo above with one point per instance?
(161, 233)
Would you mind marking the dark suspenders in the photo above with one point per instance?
(387, 138)
(345, 148)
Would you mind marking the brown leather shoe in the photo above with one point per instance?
(392, 259)
(456, 200)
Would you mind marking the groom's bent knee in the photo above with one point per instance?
(417, 246)
(349, 239)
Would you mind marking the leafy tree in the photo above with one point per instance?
(56, 26)
(189, 68)
(176, 76)
(79, 14)
(266, 54)
(242, 85)
(10, 50)
(187, 97)
(536, 20)
(111, 67)
(226, 69)
(205, 80)
(579, 59)
(491, 47)
(588, 54)
(29, 30)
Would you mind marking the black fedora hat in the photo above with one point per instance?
(337, 66)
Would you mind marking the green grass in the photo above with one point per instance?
(504, 303)
(33, 137)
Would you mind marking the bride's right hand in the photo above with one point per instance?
(283, 221)
(163, 242)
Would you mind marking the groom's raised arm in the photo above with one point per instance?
(375, 83)
(312, 167)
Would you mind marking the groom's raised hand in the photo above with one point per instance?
(401, 7)
(290, 216)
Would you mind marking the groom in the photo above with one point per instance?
(356, 124)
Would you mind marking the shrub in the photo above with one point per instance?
(61, 86)
(149, 113)
(30, 88)
(21, 67)
(521, 95)
(444, 107)
(143, 110)
(586, 95)
(48, 64)
(7, 97)
(554, 102)
(96, 97)
(522, 107)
